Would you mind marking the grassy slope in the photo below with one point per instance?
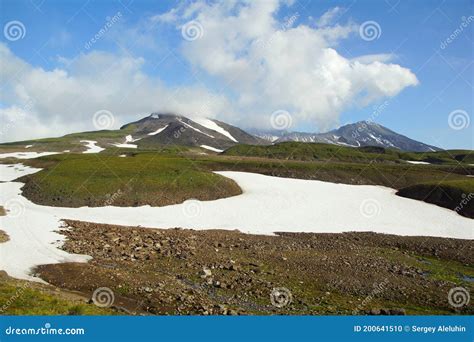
(174, 173)
(391, 175)
(97, 180)
(317, 151)
(443, 183)
(70, 141)
(456, 195)
(19, 297)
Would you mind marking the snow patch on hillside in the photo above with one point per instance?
(211, 148)
(92, 146)
(9, 172)
(125, 145)
(194, 128)
(26, 155)
(417, 162)
(129, 138)
(267, 205)
(214, 127)
(159, 130)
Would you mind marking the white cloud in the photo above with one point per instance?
(329, 16)
(380, 57)
(41, 103)
(269, 66)
(258, 64)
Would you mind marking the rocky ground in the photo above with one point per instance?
(178, 271)
(3, 236)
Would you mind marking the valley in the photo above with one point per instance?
(257, 216)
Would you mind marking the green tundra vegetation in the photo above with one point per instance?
(171, 174)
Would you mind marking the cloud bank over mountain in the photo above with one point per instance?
(254, 63)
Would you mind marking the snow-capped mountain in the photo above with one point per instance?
(170, 129)
(269, 135)
(362, 133)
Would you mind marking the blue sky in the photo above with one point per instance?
(159, 70)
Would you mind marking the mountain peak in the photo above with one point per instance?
(361, 133)
(174, 129)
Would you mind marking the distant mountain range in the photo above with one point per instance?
(217, 136)
(362, 133)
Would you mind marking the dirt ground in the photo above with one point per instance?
(180, 271)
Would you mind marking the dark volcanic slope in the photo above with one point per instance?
(362, 133)
(179, 130)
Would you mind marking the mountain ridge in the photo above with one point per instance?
(358, 134)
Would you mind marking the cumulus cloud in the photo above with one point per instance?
(41, 103)
(329, 16)
(273, 64)
(256, 60)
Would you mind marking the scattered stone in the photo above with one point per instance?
(206, 272)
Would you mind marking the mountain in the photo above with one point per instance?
(173, 129)
(269, 135)
(362, 133)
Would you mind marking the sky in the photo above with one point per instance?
(68, 66)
